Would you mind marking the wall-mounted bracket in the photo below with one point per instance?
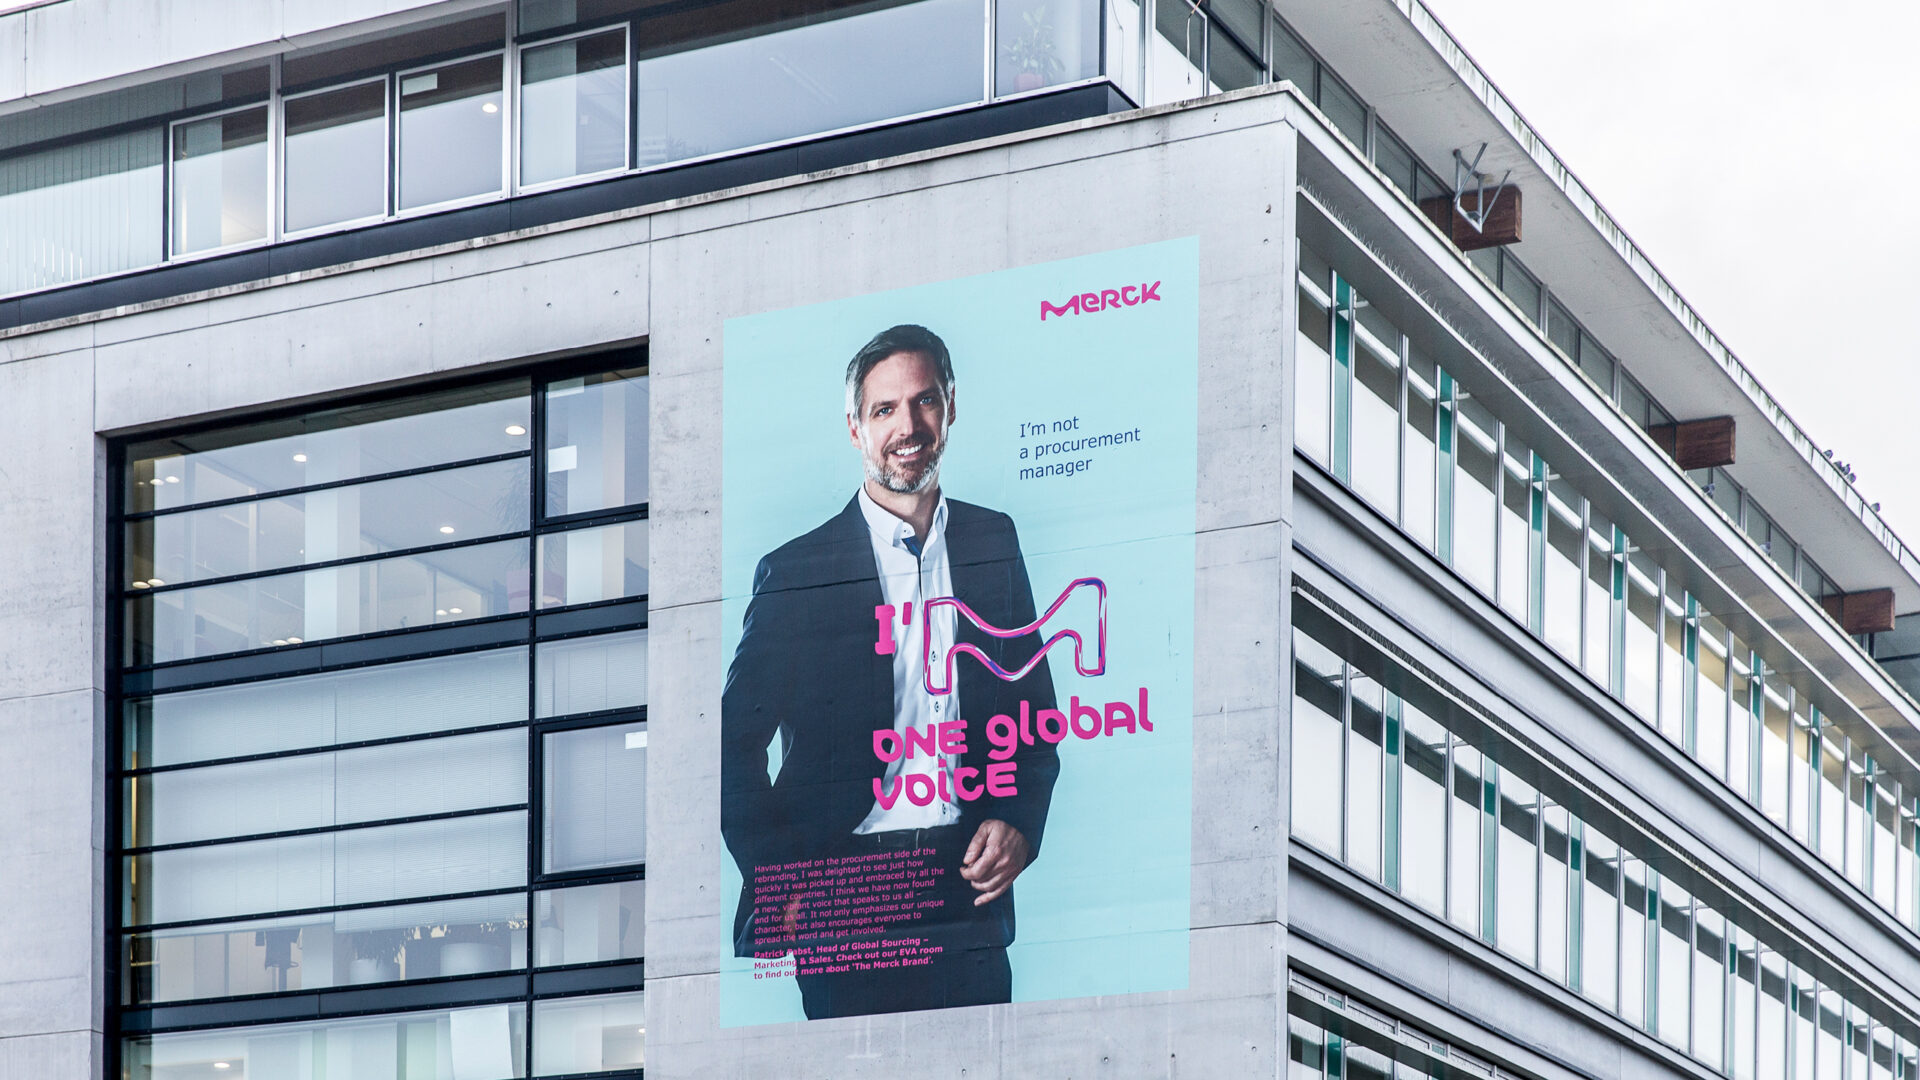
(1484, 197)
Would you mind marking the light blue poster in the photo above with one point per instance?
(957, 576)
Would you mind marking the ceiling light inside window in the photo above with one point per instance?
(446, 530)
(516, 430)
(300, 458)
(489, 108)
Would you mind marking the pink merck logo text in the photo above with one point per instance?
(944, 666)
(1089, 302)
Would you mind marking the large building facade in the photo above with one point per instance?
(372, 381)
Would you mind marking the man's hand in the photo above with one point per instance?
(995, 857)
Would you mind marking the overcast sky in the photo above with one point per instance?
(1767, 158)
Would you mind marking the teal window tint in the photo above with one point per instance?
(1771, 1052)
(1556, 853)
(1291, 60)
(1446, 462)
(1562, 549)
(1676, 667)
(1319, 690)
(1710, 951)
(1831, 813)
(1392, 747)
(1600, 633)
(1673, 962)
(1464, 834)
(1598, 933)
(1516, 532)
(1366, 734)
(1516, 898)
(1710, 731)
(1476, 483)
(1313, 375)
(1344, 301)
(1306, 1050)
(1374, 451)
(1423, 809)
(1419, 482)
(1635, 907)
(1642, 638)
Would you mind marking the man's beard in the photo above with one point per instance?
(882, 472)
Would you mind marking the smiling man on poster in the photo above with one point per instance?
(832, 658)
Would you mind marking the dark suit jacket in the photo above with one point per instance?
(806, 671)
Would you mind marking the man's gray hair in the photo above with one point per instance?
(905, 338)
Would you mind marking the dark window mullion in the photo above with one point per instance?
(349, 560)
(315, 830)
(269, 755)
(326, 485)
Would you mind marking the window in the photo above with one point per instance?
(335, 157)
(451, 132)
(220, 181)
(403, 818)
(1042, 43)
(573, 107)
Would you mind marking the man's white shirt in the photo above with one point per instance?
(909, 578)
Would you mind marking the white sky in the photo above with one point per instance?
(1766, 156)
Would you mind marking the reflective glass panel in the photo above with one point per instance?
(596, 442)
(1886, 833)
(1417, 472)
(1516, 901)
(1832, 810)
(328, 446)
(1318, 687)
(595, 780)
(1364, 792)
(334, 523)
(1376, 411)
(589, 1034)
(1178, 47)
(1599, 643)
(590, 674)
(220, 181)
(1476, 479)
(573, 107)
(438, 694)
(82, 210)
(341, 948)
(335, 156)
(1776, 741)
(1313, 379)
(313, 791)
(590, 924)
(1344, 109)
(1040, 43)
(1599, 917)
(1562, 575)
(1555, 871)
(1643, 636)
(388, 862)
(1709, 985)
(451, 128)
(1634, 900)
(1800, 773)
(491, 1041)
(1676, 667)
(706, 86)
(1423, 810)
(1674, 955)
(1710, 703)
(1516, 529)
(588, 565)
(1770, 1056)
(411, 591)
(1465, 829)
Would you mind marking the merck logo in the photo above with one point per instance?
(939, 677)
(1089, 302)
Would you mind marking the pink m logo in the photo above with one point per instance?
(945, 665)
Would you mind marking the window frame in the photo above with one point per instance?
(517, 118)
(509, 100)
(271, 104)
(281, 175)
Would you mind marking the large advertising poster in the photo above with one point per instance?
(957, 577)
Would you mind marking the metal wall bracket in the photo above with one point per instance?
(1463, 170)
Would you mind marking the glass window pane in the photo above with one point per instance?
(1709, 985)
(1597, 364)
(1516, 901)
(597, 442)
(1040, 43)
(1886, 832)
(1318, 686)
(220, 181)
(313, 952)
(1376, 411)
(337, 523)
(439, 694)
(450, 132)
(1555, 852)
(1770, 1058)
(1344, 108)
(1561, 604)
(82, 210)
(1229, 67)
(1516, 529)
(1313, 380)
(573, 107)
(312, 791)
(590, 924)
(587, 565)
(1562, 330)
(388, 862)
(595, 784)
(1598, 634)
(1643, 636)
(328, 446)
(1179, 50)
(1805, 1008)
(591, 674)
(1464, 843)
(1710, 703)
(1676, 668)
(1520, 287)
(1800, 771)
(1776, 741)
(1417, 473)
(1599, 917)
(1393, 158)
(1474, 504)
(1832, 811)
(335, 156)
(1635, 901)
(589, 1034)
(553, 14)
(1291, 60)
(1423, 810)
(410, 591)
(726, 89)
(1674, 957)
(491, 1039)
(1828, 1055)
(1364, 791)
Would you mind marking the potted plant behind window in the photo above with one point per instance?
(1032, 52)
(376, 955)
(474, 947)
